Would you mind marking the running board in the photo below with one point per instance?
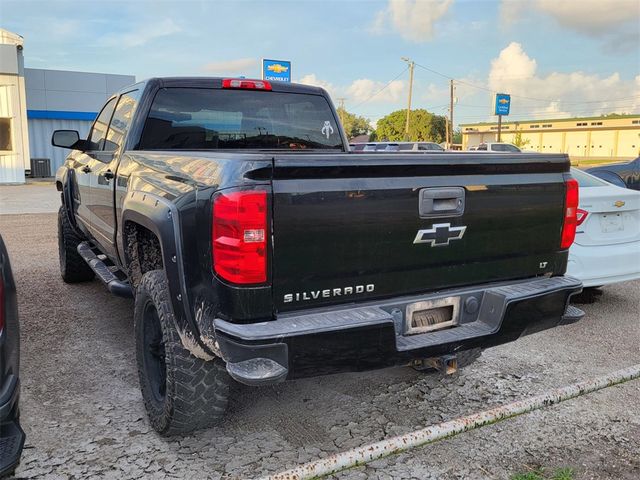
(114, 284)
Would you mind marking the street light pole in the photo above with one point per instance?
(411, 66)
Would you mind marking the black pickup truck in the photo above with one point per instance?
(258, 248)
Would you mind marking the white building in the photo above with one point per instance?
(14, 143)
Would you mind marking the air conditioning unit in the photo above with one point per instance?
(40, 167)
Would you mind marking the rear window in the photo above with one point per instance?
(504, 147)
(206, 119)
(586, 180)
(430, 146)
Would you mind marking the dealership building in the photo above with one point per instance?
(35, 102)
(615, 136)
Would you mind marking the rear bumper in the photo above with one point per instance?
(372, 335)
(11, 434)
(604, 264)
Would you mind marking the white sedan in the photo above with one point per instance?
(607, 245)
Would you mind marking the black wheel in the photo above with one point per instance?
(72, 266)
(181, 393)
(465, 358)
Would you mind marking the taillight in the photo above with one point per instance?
(581, 216)
(239, 236)
(246, 84)
(570, 214)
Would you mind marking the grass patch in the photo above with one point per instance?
(540, 474)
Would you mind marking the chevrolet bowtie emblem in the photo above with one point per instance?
(440, 235)
(619, 203)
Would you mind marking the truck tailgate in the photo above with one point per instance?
(352, 227)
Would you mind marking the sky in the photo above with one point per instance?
(556, 58)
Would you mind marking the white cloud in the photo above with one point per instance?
(143, 33)
(592, 17)
(614, 21)
(365, 89)
(572, 93)
(312, 79)
(414, 20)
(360, 90)
(232, 67)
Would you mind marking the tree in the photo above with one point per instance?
(352, 124)
(423, 126)
(518, 141)
(457, 136)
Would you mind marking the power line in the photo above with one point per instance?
(382, 89)
(479, 87)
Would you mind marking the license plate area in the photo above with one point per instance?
(611, 223)
(432, 315)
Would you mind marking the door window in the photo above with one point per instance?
(121, 120)
(98, 133)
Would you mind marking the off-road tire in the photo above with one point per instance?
(465, 358)
(190, 393)
(73, 268)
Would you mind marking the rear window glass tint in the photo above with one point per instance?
(206, 119)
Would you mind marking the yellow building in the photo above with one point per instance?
(616, 137)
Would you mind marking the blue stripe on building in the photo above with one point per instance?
(61, 115)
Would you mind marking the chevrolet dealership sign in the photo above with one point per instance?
(279, 70)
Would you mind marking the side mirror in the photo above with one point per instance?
(67, 139)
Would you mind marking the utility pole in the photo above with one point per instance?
(411, 66)
(446, 126)
(451, 98)
(341, 109)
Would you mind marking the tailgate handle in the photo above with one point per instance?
(441, 202)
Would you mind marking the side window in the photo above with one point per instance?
(98, 132)
(498, 148)
(121, 120)
(511, 148)
(5, 134)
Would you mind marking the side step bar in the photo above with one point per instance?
(114, 284)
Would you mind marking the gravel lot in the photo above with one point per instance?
(84, 417)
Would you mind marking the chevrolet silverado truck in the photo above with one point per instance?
(257, 248)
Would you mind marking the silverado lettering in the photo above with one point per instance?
(328, 293)
(225, 207)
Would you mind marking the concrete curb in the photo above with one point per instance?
(368, 453)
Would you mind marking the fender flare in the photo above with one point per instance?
(64, 175)
(161, 217)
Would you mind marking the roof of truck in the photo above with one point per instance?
(216, 82)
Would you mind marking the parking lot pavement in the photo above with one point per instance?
(33, 197)
(84, 418)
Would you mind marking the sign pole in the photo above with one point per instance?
(502, 107)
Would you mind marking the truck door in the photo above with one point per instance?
(85, 163)
(103, 175)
